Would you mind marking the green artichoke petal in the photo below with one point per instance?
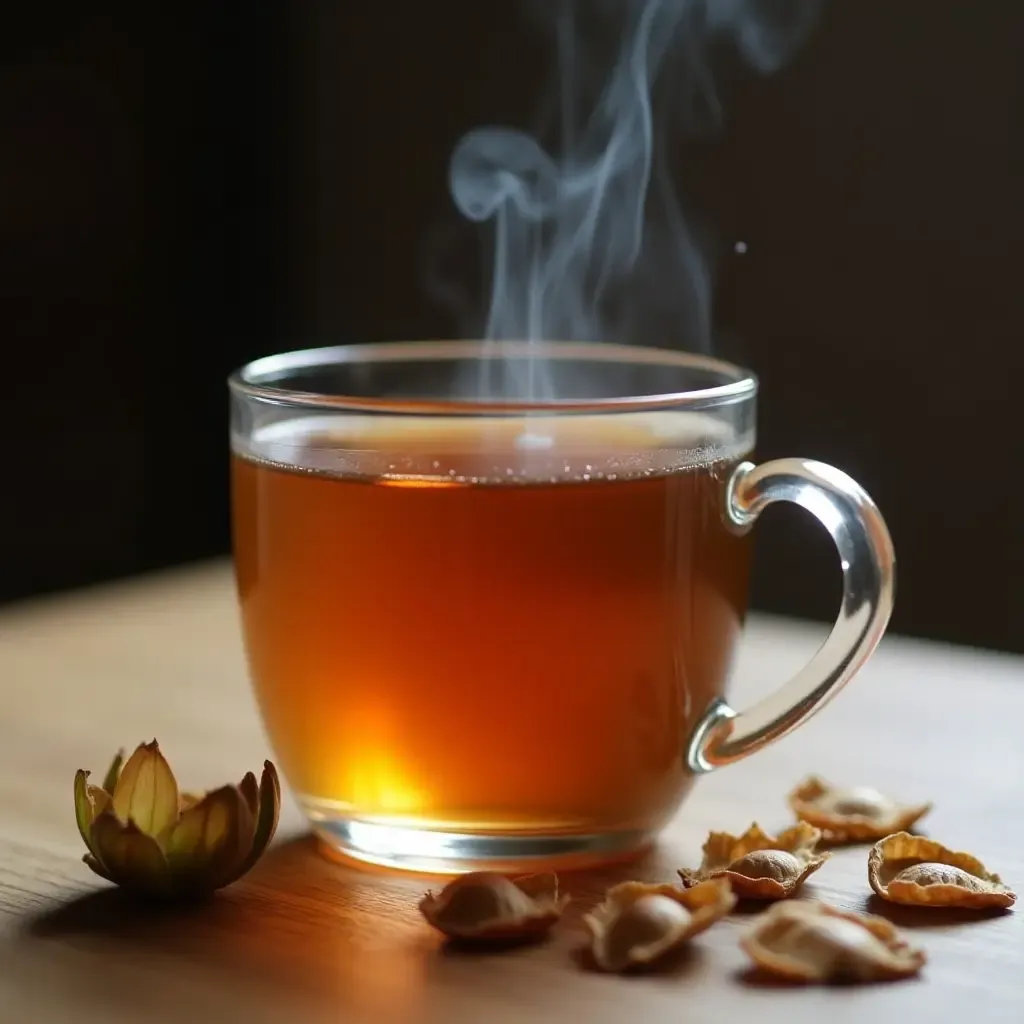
(269, 813)
(90, 801)
(100, 799)
(266, 822)
(147, 792)
(210, 839)
(128, 856)
(110, 779)
(96, 866)
(83, 806)
(250, 792)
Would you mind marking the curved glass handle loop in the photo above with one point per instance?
(841, 505)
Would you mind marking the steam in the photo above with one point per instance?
(592, 244)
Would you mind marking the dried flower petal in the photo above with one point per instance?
(90, 803)
(212, 836)
(639, 925)
(484, 905)
(266, 814)
(813, 942)
(84, 807)
(146, 791)
(99, 799)
(250, 791)
(94, 865)
(128, 853)
(853, 813)
(921, 872)
(760, 866)
(113, 772)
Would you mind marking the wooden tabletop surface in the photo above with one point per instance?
(304, 938)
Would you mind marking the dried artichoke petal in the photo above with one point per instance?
(250, 790)
(485, 905)
(212, 837)
(760, 866)
(95, 866)
(266, 814)
(852, 813)
(110, 779)
(813, 942)
(146, 791)
(128, 853)
(904, 868)
(639, 924)
(84, 807)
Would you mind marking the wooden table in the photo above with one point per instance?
(305, 939)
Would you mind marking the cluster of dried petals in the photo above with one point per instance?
(639, 925)
(760, 866)
(813, 942)
(848, 814)
(144, 835)
(489, 907)
(903, 868)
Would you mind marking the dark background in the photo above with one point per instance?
(184, 187)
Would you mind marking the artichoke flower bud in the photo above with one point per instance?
(146, 836)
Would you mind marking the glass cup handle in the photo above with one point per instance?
(842, 506)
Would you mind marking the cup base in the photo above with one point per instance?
(438, 852)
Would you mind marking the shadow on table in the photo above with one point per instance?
(297, 920)
(301, 919)
(928, 917)
(759, 978)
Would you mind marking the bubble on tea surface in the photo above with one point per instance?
(631, 445)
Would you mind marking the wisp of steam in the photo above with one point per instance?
(590, 242)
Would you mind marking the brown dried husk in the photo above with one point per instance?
(812, 942)
(820, 804)
(760, 866)
(912, 870)
(487, 906)
(649, 922)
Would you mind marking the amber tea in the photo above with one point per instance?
(488, 626)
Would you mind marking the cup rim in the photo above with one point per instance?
(251, 379)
